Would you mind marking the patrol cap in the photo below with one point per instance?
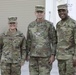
(39, 8)
(63, 6)
(12, 19)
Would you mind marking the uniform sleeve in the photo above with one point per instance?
(1, 45)
(53, 39)
(75, 41)
(28, 45)
(23, 49)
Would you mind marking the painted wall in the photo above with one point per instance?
(72, 8)
(52, 13)
(23, 9)
(50, 10)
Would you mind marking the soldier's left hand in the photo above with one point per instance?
(52, 59)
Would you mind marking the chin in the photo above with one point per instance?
(62, 17)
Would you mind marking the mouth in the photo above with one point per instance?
(62, 15)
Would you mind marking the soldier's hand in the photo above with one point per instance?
(52, 59)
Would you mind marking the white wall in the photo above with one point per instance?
(72, 8)
(50, 10)
(51, 6)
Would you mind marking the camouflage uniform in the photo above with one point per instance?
(12, 52)
(41, 44)
(75, 71)
(66, 35)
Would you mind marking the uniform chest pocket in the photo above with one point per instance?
(17, 41)
(68, 32)
(7, 40)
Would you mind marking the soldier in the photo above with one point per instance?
(12, 49)
(66, 43)
(41, 44)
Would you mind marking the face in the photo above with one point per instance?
(63, 13)
(12, 25)
(39, 14)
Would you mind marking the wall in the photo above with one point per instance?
(72, 8)
(52, 13)
(51, 10)
(23, 9)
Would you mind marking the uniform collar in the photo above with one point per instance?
(8, 33)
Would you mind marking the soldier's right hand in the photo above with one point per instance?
(52, 59)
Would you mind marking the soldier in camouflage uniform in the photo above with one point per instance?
(12, 49)
(66, 43)
(41, 44)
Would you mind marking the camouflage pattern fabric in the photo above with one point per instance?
(41, 39)
(74, 70)
(39, 8)
(13, 47)
(66, 67)
(66, 45)
(12, 19)
(10, 69)
(39, 66)
(13, 52)
(41, 44)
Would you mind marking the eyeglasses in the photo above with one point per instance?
(12, 23)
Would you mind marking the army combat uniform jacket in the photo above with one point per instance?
(12, 47)
(41, 39)
(66, 35)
